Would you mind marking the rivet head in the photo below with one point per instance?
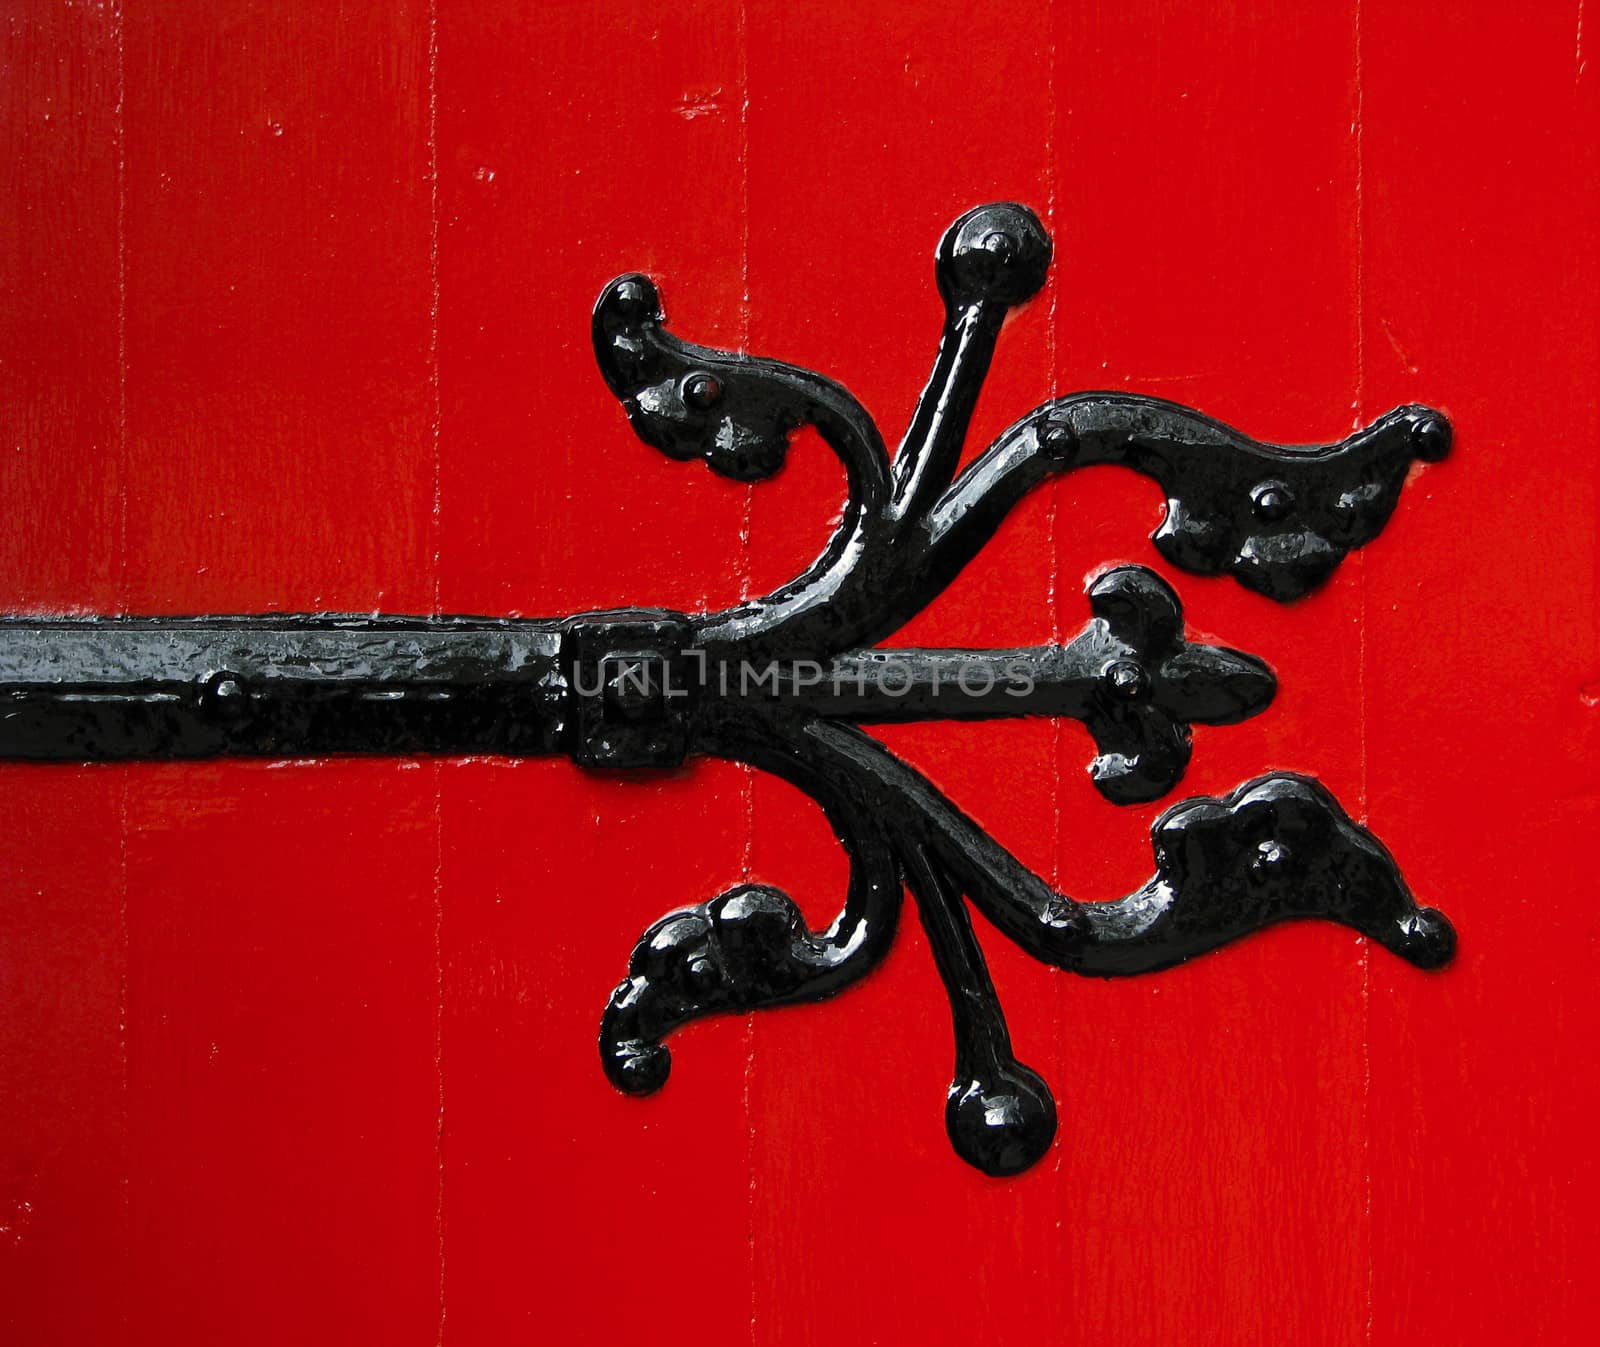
(1272, 501)
(1059, 440)
(702, 391)
(226, 695)
(995, 254)
(1127, 679)
(1430, 438)
(1000, 245)
(633, 688)
(1272, 858)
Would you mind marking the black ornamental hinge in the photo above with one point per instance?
(785, 681)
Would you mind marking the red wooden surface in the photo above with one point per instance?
(293, 314)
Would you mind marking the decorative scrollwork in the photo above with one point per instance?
(1279, 519)
(784, 681)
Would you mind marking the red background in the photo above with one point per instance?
(294, 315)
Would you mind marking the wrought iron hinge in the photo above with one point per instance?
(784, 682)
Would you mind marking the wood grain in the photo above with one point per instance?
(294, 315)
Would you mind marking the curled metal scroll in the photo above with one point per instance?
(1278, 518)
(783, 683)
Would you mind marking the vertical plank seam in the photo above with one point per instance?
(747, 785)
(435, 391)
(125, 932)
(1053, 378)
(1358, 132)
(438, 1030)
(436, 413)
(120, 132)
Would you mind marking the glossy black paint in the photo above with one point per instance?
(783, 681)
(98, 689)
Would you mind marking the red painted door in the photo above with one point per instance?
(294, 316)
